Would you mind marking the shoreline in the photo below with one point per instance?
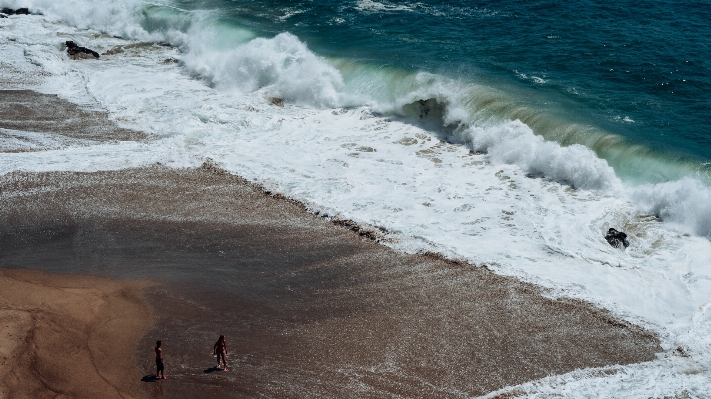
(310, 306)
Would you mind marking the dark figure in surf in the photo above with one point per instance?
(160, 368)
(617, 239)
(220, 351)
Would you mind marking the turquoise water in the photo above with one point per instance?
(628, 80)
(632, 78)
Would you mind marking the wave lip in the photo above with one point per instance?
(686, 203)
(283, 65)
(515, 143)
(447, 107)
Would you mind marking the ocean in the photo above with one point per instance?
(511, 134)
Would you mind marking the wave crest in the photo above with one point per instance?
(283, 65)
(514, 143)
(685, 203)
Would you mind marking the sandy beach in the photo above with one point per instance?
(309, 307)
(67, 336)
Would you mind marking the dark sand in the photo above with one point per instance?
(309, 308)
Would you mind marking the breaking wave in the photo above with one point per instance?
(283, 65)
(485, 119)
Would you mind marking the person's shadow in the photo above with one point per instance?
(212, 370)
(150, 378)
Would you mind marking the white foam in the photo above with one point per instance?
(283, 65)
(98, 157)
(119, 18)
(379, 6)
(515, 143)
(673, 377)
(686, 203)
(21, 141)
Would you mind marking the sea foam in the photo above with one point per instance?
(685, 203)
(283, 65)
(118, 18)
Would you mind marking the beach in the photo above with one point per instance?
(309, 307)
(68, 336)
(356, 221)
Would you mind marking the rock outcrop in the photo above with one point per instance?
(78, 52)
(617, 239)
(19, 11)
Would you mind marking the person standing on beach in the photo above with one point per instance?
(220, 350)
(160, 369)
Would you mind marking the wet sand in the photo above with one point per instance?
(309, 308)
(31, 121)
(69, 336)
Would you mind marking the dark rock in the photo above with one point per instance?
(19, 11)
(75, 51)
(3, 16)
(617, 239)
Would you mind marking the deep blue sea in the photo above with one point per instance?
(635, 74)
